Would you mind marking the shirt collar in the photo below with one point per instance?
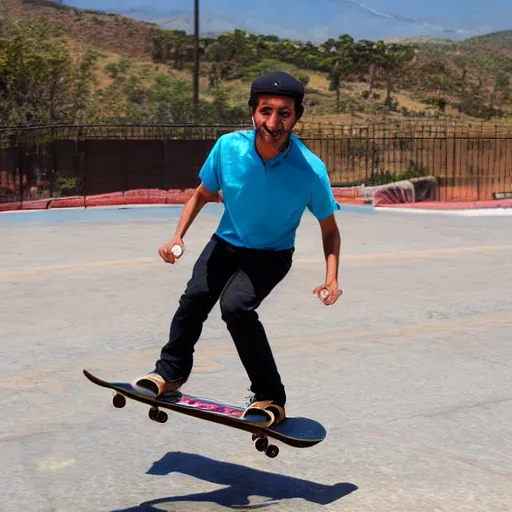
(277, 160)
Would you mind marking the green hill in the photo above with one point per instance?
(499, 41)
(63, 64)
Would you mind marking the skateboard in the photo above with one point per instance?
(293, 431)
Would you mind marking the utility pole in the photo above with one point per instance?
(196, 53)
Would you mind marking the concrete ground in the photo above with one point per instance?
(410, 372)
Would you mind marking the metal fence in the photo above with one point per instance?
(39, 163)
(466, 168)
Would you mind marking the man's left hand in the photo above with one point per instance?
(328, 293)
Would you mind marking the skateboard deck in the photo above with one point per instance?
(293, 431)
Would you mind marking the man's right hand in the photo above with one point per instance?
(192, 207)
(166, 251)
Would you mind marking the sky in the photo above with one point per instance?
(317, 20)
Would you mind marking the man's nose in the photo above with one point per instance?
(274, 122)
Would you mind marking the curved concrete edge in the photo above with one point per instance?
(453, 205)
(470, 212)
(137, 198)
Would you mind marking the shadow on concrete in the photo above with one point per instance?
(241, 482)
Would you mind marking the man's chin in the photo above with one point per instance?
(272, 139)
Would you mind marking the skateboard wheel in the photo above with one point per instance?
(261, 444)
(272, 451)
(119, 401)
(162, 417)
(153, 413)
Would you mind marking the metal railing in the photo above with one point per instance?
(472, 162)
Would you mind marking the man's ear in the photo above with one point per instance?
(251, 113)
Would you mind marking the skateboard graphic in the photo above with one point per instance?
(293, 431)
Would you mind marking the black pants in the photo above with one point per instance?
(241, 278)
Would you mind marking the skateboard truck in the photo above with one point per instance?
(261, 444)
(158, 416)
(155, 414)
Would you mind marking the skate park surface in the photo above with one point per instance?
(410, 372)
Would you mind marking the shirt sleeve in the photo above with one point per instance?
(210, 171)
(322, 202)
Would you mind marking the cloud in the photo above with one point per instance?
(315, 34)
(405, 19)
(211, 25)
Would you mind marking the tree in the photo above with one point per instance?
(35, 81)
(342, 64)
(502, 87)
(366, 61)
(391, 59)
(335, 83)
(172, 46)
(40, 83)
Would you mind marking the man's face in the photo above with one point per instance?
(275, 114)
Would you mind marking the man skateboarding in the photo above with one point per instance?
(267, 178)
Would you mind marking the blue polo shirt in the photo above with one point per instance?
(264, 202)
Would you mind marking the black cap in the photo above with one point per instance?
(278, 83)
